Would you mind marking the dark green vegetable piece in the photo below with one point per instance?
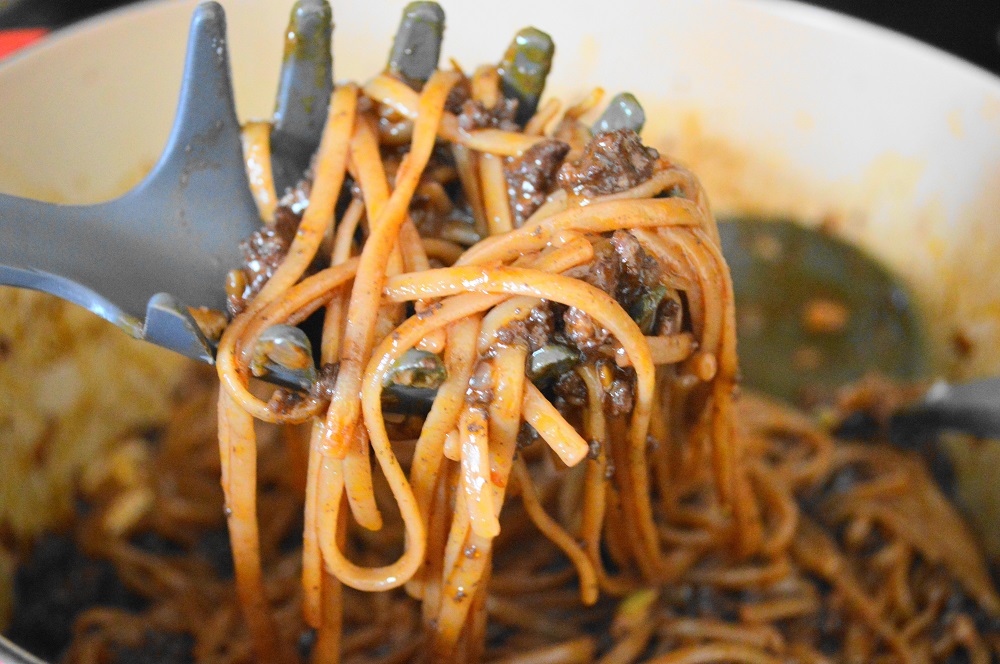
(405, 400)
(412, 384)
(624, 112)
(283, 355)
(524, 68)
(643, 311)
(417, 46)
(417, 369)
(551, 361)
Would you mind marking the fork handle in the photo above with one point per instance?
(177, 232)
(12, 654)
(972, 408)
(67, 250)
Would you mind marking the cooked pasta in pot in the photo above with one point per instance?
(524, 441)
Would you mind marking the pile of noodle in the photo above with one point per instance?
(694, 525)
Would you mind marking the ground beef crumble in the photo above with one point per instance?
(526, 435)
(624, 270)
(326, 380)
(262, 253)
(460, 93)
(619, 399)
(639, 271)
(284, 401)
(605, 272)
(620, 268)
(475, 115)
(611, 162)
(264, 250)
(570, 390)
(583, 331)
(534, 330)
(532, 176)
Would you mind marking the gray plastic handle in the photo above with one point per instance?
(177, 232)
(11, 654)
(973, 408)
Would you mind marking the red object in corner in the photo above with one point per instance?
(12, 40)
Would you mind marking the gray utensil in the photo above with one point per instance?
(815, 313)
(11, 654)
(416, 48)
(972, 408)
(304, 90)
(142, 259)
(524, 69)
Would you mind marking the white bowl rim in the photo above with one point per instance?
(795, 11)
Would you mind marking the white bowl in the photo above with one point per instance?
(780, 108)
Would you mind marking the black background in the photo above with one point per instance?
(968, 28)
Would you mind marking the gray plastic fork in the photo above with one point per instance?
(142, 259)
